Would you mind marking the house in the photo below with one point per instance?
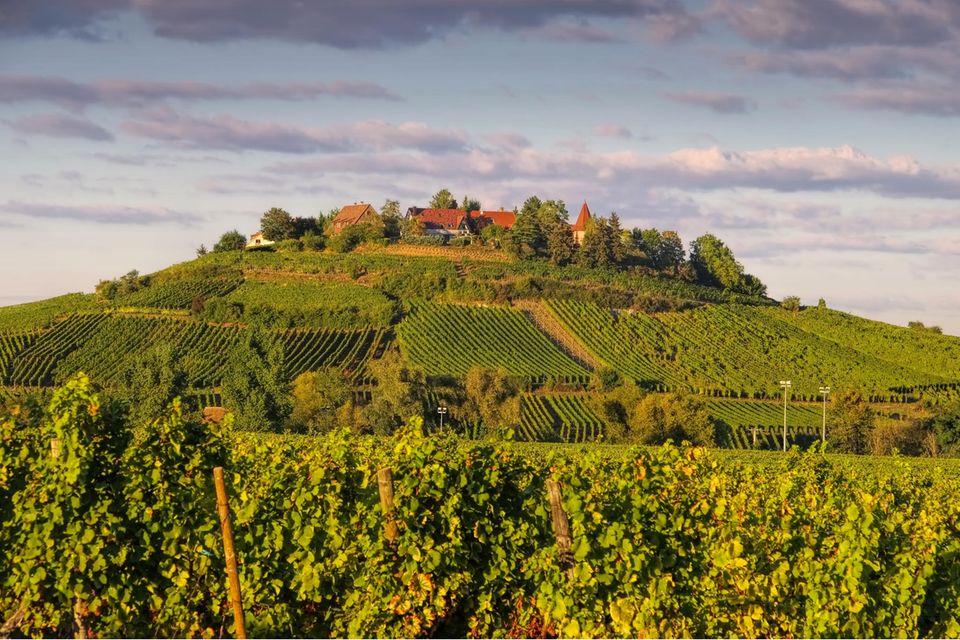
(257, 240)
(354, 214)
(441, 222)
(501, 218)
(579, 227)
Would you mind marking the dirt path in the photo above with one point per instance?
(541, 317)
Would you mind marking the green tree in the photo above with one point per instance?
(319, 398)
(276, 224)
(597, 249)
(392, 220)
(526, 236)
(399, 394)
(560, 247)
(671, 255)
(468, 204)
(850, 420)
(255, 386)
(944, 425)
(202, 250)
(443, 199)
(492, 397)
(791, 303)
(150, 381)
(617, 247)
(230, 241)
(714, 263)
(669, 416)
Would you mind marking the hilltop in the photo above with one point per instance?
(562, 335)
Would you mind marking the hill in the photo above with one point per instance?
(553, 330)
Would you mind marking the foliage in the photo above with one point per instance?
(124, 285)
(492, 398)
(666, 416)
(944, 424)
(401, 391)
(255, 382)
(919, 326)
(355, 235)
(392, 221)
(151, 380)
(230, 241)
(666, 541)
(276, 224)
(790, 303)
(443, 199)
(317, 399)
(37, 315)
(851, 421)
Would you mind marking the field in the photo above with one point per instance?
(662, 541)
(731, 351)
(448, 340)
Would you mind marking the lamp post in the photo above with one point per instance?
(442, 410)
(823, 429)
(785, 385)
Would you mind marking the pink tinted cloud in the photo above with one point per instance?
(60, 126)
(718, 102)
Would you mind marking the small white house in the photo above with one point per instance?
(257, 240)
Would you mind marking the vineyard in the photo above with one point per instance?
(747, 413)
(448, 340)
(37, 315)
(558, 418)
(336, 305)
(729, 351)
(103, 345)
(662, 542)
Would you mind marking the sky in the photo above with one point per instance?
(817, 138)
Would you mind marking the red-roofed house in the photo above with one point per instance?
(579, 227)
(436, 222)
(354, 214)
(501, 218)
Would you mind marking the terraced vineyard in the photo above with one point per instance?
(745, 413)
(10, 346)
(179, 294)
(309, 350)
(771, 438)
(729, 351)
(560, 417)
(35, 365)
(448, 340)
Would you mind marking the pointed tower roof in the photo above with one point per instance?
(581, 223)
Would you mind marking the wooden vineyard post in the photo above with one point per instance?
(223, 508)
(385, 485)
(561, 527)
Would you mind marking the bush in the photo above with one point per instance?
(230, 241)
(289, 245)
(669, 416)
(314, 242)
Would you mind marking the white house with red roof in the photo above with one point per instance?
(354, 214)
(579, 227)
(442, 222)
(501, 218)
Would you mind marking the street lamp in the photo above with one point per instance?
(442, 410)
(785, 385)
(823, 430)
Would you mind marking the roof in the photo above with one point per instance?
(581, 223)
(442, 218)
(500, 218)
(351, 213)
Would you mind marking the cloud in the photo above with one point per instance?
(60, 126)
(612, 130)
(136, 93)
(99, 214)
(783, 169)
(229, 133)
(577, 32)
(852, 63)
(808, 24)
(717, 102)
(345, 24)
(913, 98)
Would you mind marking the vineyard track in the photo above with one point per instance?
(547, 322)
(453, 253)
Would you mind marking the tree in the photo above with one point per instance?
(944, 425)
(669, 416)
(560, 247)
(714, 262)
(392, 221)
(201, 250)
(276, 224)
(150, 381)
(319, 398)
(400, 393)
(671, 254)
(469, 204)
(443, 199)
(526, 236)
(306, 226)
(255, 386)
(230, 241)
(791, 303)
(597, 249)
(492, 398)
(851, 421)
(751, 285)
(821, 305)
(617, 247)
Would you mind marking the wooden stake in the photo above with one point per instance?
(561, 526)
(385, 485)
(223, 508)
